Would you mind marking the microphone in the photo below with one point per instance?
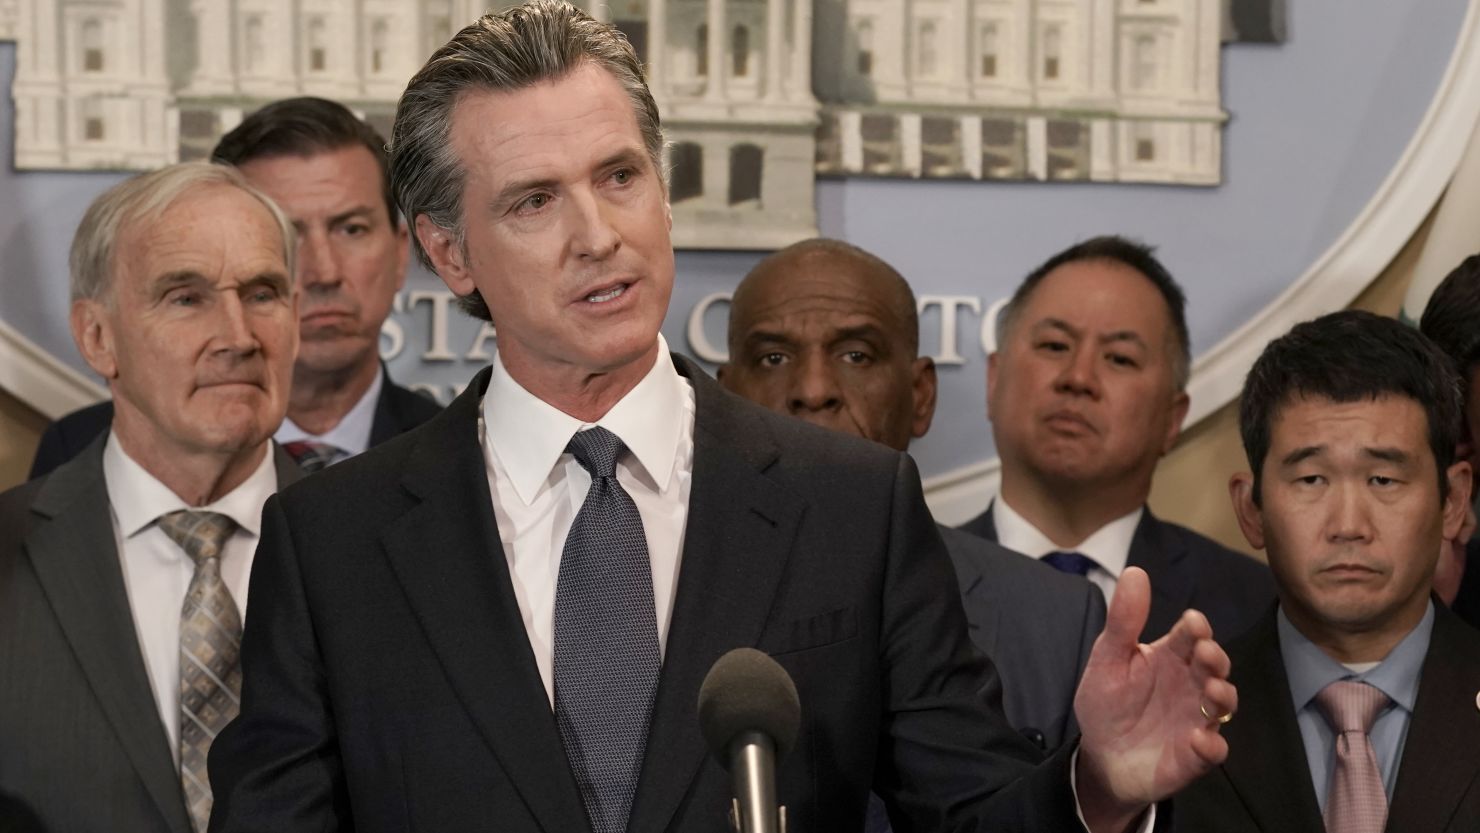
(749, 714)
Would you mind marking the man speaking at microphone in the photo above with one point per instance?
(501, 619)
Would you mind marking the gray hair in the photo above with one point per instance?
(143, 199)
(539, 41)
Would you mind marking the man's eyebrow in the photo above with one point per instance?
(1057, 324)
(863, 332)
(170, 280)
(518, 187)
(1388, 455)
(358, 212)
(755, 338)
(1302, 454)
(1123, 335)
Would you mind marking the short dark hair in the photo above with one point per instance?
(1451, 319)
(1126, 252)
(303, 127)
(1350, 356)
(541, 40)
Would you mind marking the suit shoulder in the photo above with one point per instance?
(357, 479)
(414, 407)
(1014, 574)
(802, 444)
(1230, 561)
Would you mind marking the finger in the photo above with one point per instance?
(1184, 636)
(1128, 609)
(1209, 746)
(1211, 659)
(1220, 697)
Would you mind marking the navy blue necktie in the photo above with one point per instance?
(1070, 562)
(606, 639)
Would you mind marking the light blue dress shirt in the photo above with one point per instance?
(1310, 669)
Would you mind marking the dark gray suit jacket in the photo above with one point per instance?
(1265, 785)
(1036, 623)
(82, 749)
(390, 685)
(1187, 570)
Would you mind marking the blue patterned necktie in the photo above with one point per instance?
(606, 639)
(1073, 563)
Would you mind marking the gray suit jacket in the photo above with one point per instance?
(1036, 623)
(81, 744)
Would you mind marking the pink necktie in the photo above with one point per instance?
(1357, 802)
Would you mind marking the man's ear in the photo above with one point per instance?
(446, 253)
(924, 387)
(92, 330)
(1460, 478)
(720, 373)
(992, 372)
(1250, 516)
(1180, 403)
(403, 253)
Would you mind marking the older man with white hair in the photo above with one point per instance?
(123, 573)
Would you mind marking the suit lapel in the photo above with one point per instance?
(1439, 763)
(446, 553)
(75, 556)
(737, 540)
(1266, 760)
(288, 471)
(979, 597)
(385, 425)
(1158, 552)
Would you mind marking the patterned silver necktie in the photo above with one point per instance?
(210, 641)
(606, 639)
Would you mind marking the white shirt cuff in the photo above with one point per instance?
(1147, 822)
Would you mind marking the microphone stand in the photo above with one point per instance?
(753, 778)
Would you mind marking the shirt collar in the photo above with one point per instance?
(352, 433)
(1109, 546)
(528, 435)
(1309, 669)
(139, 498)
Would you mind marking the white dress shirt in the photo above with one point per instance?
(1109, 546)
(157, 572)
(538, 488)
(352, 434)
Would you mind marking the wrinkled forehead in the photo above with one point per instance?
(823, 289)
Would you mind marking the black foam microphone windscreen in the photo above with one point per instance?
(747, 691)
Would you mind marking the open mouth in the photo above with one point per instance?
(607, 295)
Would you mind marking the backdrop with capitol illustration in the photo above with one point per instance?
(1278, 156)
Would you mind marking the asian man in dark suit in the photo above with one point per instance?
(829, 333)
(123, 572)
(484, 623)
(327, 169)
(1086, 392)
(1365, 685)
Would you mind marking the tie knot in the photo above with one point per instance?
(596, 449)
(199, 534)
(1351, 706)
(1070, 562)
(313, 456)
